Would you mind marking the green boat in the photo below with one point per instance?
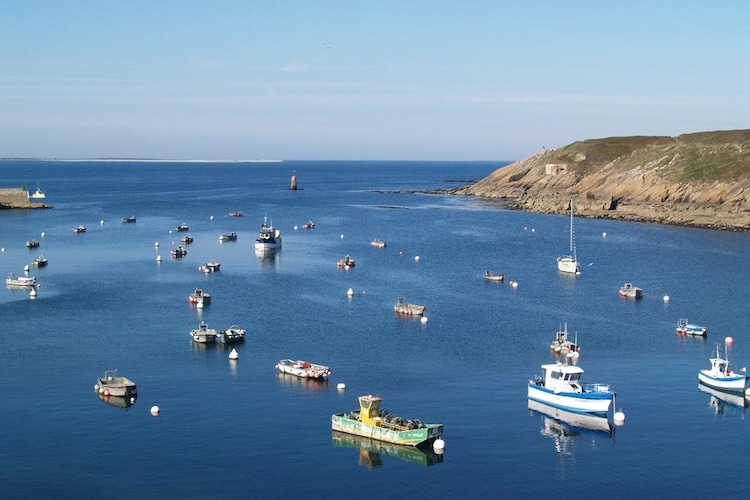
(370, 422)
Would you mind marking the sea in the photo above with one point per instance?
(239, 429)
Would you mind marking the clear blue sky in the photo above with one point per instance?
(351, 79)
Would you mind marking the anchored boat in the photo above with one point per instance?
(112, 384)
(372, 422)
(561, 387)
(403, 307)
(269, 238)
(304, 369)
(721, 377)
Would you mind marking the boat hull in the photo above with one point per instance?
(412, 437)
(567, 265)
(595, 402)
(119, 386)
(303, 369)
(731, 383)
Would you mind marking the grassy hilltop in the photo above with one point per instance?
(700, 179)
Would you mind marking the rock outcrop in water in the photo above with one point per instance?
(700, 180)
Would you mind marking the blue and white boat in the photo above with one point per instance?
(685, 328)
(561, 387)
(721, 377)
(269, 238)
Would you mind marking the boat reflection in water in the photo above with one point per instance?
(370, 450)
(117, 401)
(566, 427)
(268, 257)
(312, 385)
(721, 402)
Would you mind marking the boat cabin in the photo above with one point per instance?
(369, 409)
(559, 376)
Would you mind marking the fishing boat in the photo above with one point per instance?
(561, 387)
(308, 225)
(128, 220)
(562, 345)
(378, 243)
(231, 335)
(490, 276)
(303, 369)
(40, 261)
(380, 425)
(182, 228)
(203, 334)
(79, 229)
(269, 238)
(685, 328)
(630, 291)
(568, 263)
(37, 195)
(403, 307)
(111, 384)
(210, 267)
(720, 376)
(228, 237)
(24, 281)
(198, 295)
(346, 262)
(32, 244)
(236, 214)
(187, 239)
(178, 252)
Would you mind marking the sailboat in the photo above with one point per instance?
(568, 263)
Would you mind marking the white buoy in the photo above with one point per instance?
(533, 230)
(234, 354)
(44, 234)
(342, 236)
(729, 340)
(514, 284)
(666, 298)
(2, 249)
(155, 410)
(26, 268)
(101, 222)
(295, 227)
(416, 258)
(350, 292)
(619, 417)
(158, 258)
(438, 446)
(424, 319)
(32, 294)
(604, 234)
(212, 217)
(341, 386)
(156, 244)
(96, 387)
(132, 400)
(747, 392)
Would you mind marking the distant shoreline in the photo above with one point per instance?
(137, 160)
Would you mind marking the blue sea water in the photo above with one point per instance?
(241, 430)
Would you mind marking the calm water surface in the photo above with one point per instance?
(239, 429)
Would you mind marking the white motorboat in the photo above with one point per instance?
(199, 295)
(630, 291)
(304, 369)
(203, 334)
(685, 328)
(269, 238)
(38, 194)
(568, 263)
(490, 276)
(15, 280)
(721, 377)
(561, 387)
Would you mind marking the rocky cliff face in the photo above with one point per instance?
(700, 180)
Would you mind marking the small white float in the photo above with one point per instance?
(234, 355)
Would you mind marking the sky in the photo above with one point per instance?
(363, 80)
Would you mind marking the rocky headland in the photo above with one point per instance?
(700, 180)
